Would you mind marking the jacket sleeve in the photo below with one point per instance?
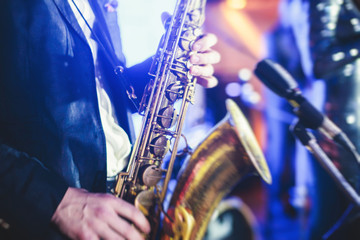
(29, 192)
(332, 41)
(29, 195)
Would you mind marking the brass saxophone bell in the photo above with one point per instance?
(228, 154)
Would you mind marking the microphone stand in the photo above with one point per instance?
(309, 141)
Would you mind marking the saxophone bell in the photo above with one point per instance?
(228, 154)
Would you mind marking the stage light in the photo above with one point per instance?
(233, 89)
(236, 4)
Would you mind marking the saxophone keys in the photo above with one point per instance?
(173, 92)
(159, 146)
(167, 117)
(152, 175)
(195, 15)
(145, 201)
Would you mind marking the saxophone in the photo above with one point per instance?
(228, 153)
(162, 123)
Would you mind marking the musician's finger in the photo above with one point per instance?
(205, 42)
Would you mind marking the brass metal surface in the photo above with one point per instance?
(229, 153)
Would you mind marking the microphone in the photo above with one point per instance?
(276, 78)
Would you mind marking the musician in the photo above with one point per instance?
(64, 119)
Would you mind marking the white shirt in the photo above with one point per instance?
(118, 146)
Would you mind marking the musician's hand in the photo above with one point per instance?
(84, 215)
(203, 60)
(204, 57)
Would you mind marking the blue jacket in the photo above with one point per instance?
(50, 131)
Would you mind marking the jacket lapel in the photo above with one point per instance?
(68, 14)
(108, 37)
(107, 22)
(103, 20)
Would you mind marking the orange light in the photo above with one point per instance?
(236, 4)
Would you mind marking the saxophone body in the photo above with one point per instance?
(163, 106)
(229, 153)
